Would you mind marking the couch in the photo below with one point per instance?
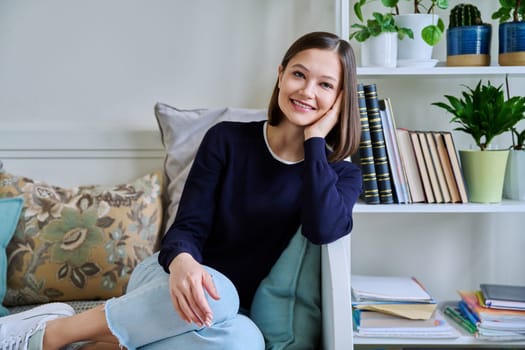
(124, 185)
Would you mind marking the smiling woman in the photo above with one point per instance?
(195, 292)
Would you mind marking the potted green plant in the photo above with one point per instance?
(514, 186)
(468, 38)
(484, 113)
(378, 36)
(511, 33)
(428, 30)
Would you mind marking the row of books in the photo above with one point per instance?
(477, 313)
(401, 165)
(393, 306)
(396, 306)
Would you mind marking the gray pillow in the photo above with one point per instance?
(182, 131)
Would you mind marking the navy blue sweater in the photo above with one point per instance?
(241, 205)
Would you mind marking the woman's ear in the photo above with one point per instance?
(280, 72)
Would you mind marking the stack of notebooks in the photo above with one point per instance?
(391, 306)
(401, 165)
(494, 312)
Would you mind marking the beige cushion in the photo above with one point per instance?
(182, 131)
(79, 243)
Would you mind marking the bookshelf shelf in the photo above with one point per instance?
(506, 206)
(464, 340)
(440, 70)
(444, 343)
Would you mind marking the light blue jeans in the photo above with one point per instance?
(144, 317)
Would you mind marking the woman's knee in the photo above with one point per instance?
(242, 334)
(227, 306)
(149, 274)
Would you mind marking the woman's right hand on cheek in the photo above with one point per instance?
(188, 283)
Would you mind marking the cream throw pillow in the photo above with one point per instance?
(182, 131)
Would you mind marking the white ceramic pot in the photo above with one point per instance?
(514, 186)
(380, 51)
(415, 49)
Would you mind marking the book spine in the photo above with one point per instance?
(392, 152)
(425, 179)
(408, 157)
(430, 167)
(366, 157)
(454, 161)
(447, 167)
(438, 168)
(397, 151)
(378, 145)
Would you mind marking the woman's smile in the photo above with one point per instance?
(301, 106)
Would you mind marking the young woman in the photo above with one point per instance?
(252, 185)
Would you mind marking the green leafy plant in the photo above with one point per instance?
(484, 113)
(421, 6)
(433, 33)
(381, 23)
(510, 11)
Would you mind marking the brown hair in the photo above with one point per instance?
(344, 138)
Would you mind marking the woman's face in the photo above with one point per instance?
(309, 85)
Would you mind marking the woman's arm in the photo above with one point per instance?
(194, 218)
(329, 194)
(181, 248)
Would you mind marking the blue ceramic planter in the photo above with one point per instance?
(469, 45)
(511, 44)
(511, 37)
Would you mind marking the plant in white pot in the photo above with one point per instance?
(514, 185)
(484, 113)
(428, 30)
(378, 36)
(511, 33)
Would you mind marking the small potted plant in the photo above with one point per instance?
(428, 30)
(378, 37)
(511, 33)
(468, 38)
(484, 113)
(514, 185)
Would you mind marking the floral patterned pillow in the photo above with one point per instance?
(80, 243)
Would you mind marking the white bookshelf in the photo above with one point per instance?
(440, 70)
(506, 206)
(494, 231)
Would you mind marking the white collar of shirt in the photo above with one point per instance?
(275, 156)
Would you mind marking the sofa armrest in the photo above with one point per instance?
(336, 292)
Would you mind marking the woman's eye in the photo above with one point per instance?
(298, 74)
(327, 85)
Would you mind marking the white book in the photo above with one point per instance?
(389, 288)
(441, 329)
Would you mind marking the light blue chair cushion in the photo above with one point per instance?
(10, 209)
(287, 304)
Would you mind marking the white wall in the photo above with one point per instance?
(104, 63)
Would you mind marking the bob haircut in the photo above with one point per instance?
(345, 136)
